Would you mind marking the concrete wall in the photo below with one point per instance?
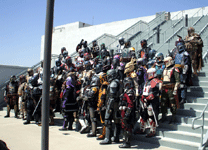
(70, 35)
(6, 72)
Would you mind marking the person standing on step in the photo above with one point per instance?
(171, 83)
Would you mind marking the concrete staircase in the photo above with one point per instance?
(181, 135)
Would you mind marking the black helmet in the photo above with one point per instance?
(63, 49)
(143, 43)
(111, 75)
(159, 57)
(128, 83)
(95, 81)
(13, 78)
(98, 68)
(58, 63)
(152, 53)
(181, 47)
(65, 54)
(102, 46)
(85, 44)
(121, 41)
(115, 63)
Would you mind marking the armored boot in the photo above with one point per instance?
(117, 131)
(126, 142)
(84, 126)
(173, 119)
(71, 120)
(51, 120)
(164, 117)
(8, 112)
(16, 111)
(183, 101)
(152, 129)
(64, 125)
(107, 139)
(102, 136)
(94, 127)
(143, 125)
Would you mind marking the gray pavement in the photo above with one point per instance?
(28, 137)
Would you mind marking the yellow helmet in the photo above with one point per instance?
(103, 77)
(131, 49)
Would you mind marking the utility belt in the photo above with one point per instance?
(168, 86)
(179, 66)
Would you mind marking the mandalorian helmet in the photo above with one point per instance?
(104, 53)
(65, 54)
(111, 75)
(30, 71)
(191, 30)
(13, 78)
(87, 65)
(94, 43)
(143, 43)
(159, 58)
(22, 78)
(95, 81)
(128, 83)
(86, 56)
(58, 63)
(69, 82)
(85, 44)
(98, 68)
(152, 53)
(115, 63)
(151, 73)
(150, 63)
(63, 49)
(102, 46)
(121, 41)
(168, 61)
(103, 77)
(68, 60)
(181, 47)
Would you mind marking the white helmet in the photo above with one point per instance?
(168, 61)
(151, 73)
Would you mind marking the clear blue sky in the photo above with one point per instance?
(22, 22)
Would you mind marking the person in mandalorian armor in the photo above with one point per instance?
(150, 103)
(94, 49)
(91, 94)
(126, 107)
(171, 83)
(159, 65)
(183, 63)
(11, 96)
(144, 52)
(21, 93)
(69, 104)
(102, 101)
(112, 111)
(194, 44)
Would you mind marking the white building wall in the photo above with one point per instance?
(70, 35)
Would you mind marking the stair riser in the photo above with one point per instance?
(164, 143)
(179, 136)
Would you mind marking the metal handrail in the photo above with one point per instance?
(201, 126)
(198, 20)
(171, 37)
(177, 15)
(205, 56)
(198, 11)
(175, 24)
(202, 30)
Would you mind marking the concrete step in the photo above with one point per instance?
(200, 83)
(180, 135)
(189, 112)
(193, 106)
(180, 127)
(191, 99)
(169, 142)
(197, 93)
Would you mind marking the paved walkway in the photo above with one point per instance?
(28, 137)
